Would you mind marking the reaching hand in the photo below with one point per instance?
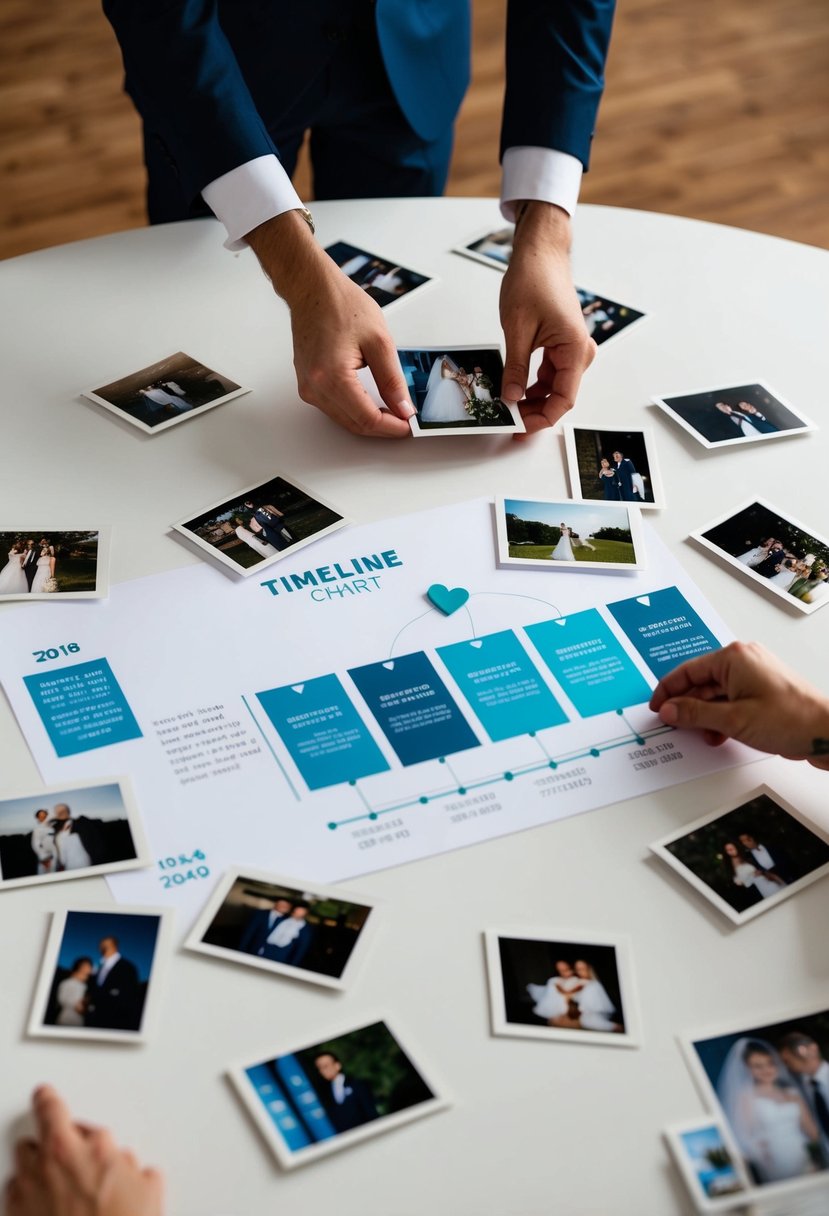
(74, 1170)
(743, 692)
(540, 308)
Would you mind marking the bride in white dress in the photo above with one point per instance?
(753, 557)
(563, 551)
(552, 999)
(70, 849)
(71, 993)
(595, 1006)
(12, 579)
(771, 1122)
(744, 873)
(45, 569)
(446, 394)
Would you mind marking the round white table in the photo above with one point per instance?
(534, 1127)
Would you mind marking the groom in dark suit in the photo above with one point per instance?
(114, 997)
(260, 924)
(227, 91)
(773, 861)
(348, 1101)
(625, 470)
(30, 562)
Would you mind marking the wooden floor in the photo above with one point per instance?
(717, 109)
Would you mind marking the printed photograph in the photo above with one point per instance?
(746, 858)
(261, 524)
(771, 1083)
(546, 986)
(457, 392)
(709, 1163)
(493, 248)
(45, 563)
(99, 975)
(568, 535)
(740, 414)
(613, 466)
(384, 281)
(774, 551)
(273, 924)
(70, 831)
(603, 317)
(167, 392)
(334, 1092)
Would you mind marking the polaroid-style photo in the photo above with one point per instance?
(165, 393)
(604, 317)
(38, 563)
(493, 248)
(384, 281)
(457, 392)
(548, 985)
(747, 857)
(101, 974)
(613, 466)
(70, 831)
(774, 550)
(770, 1083)
(317, 934)
(710, 1164)
(743, 413)
(568, 535)
(262, 524)
(326, 1095)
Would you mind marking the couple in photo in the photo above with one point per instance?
(165, 396)
(563, 551)
(804, 577)
(280, 934)
(455, 395)
(619, 480)
(575, 999)
(30, 569)
(107, 996)
(265, 532)
(62, 841)
(751, 866)
(776, 1099)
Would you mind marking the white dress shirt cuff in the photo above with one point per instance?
(539, 173)
(248, 195)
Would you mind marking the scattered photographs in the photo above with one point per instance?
(743, 413)
(493, 248)
(260, 525)
(771, 1084)
(315, 934)
(567, 535)
(457, 392)
(384, 281)
(70, 831)
(745, 858)
(48, 563)
(710, 1164)
(167, 392)
(604, 317)
(773, 550)
(331, 1093)
(100, 974)
(545, 985)
(613, 466)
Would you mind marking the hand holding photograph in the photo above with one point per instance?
(567, 535)
(166, 393)
(53, 564)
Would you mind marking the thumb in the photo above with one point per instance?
(381, 359)
(692, 713)
(516, 369)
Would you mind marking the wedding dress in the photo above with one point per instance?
(261, 546)
(549, 1001)
(12, 578)
(563, 551)
(43, 574)
(70, 993)
(784, 578)
(71, 853)
(780, 1147)
(745, 876)
(596, 1007)
(754, 556)
(445, 400)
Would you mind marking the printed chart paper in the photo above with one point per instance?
(329, 721)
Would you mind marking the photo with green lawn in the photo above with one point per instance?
(40, 563)
(568, 535)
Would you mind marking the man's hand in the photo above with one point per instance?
(540, 309)
(337, 329)
(74, 1170)
(743, 692)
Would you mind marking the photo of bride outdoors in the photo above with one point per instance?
(567, 534)
(40, 564)
(457, 390)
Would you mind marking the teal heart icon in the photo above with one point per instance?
(447, 599)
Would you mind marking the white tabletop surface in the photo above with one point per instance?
(535, 1127)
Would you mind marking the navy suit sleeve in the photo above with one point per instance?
(251, 931)
(556, 53)
(186, 82)
(301, 946)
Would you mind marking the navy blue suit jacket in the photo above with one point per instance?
(212, 79)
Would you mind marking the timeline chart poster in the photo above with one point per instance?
(413, 708)
(285, 755)
(589, 662)
(503, 685)
(326, 737)
(664, 628)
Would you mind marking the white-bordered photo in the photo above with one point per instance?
(255, 527)
(546, 535)
(385, 281)
(70, 831)
(749, 855)
(167, 392)
(770, 1082)
(329, 1093)
(613, 465)
(38, 563)
(493, 248)
(710, 1164)
(774, 551)
(101, 974)
(741, 413)
(457, 391)
(605, 318)
(304, 931)
(577, 987)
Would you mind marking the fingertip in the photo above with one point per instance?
(402, 409)
(669, 713)
(512, 392)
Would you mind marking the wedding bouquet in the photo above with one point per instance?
(487, 413)
(50, 585)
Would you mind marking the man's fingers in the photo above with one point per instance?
(690, 713)
(26, 1156)
(696, 673)
(381, 359)
(347, 403)
(516, 368)
(56, 1131)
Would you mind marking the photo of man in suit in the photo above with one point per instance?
(259, 925)
(289, 941)
(88, 848)
(775, 862)
(804, 1059)
(30, 561)
(625, 473)
(348, 1101)
(114, 997)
